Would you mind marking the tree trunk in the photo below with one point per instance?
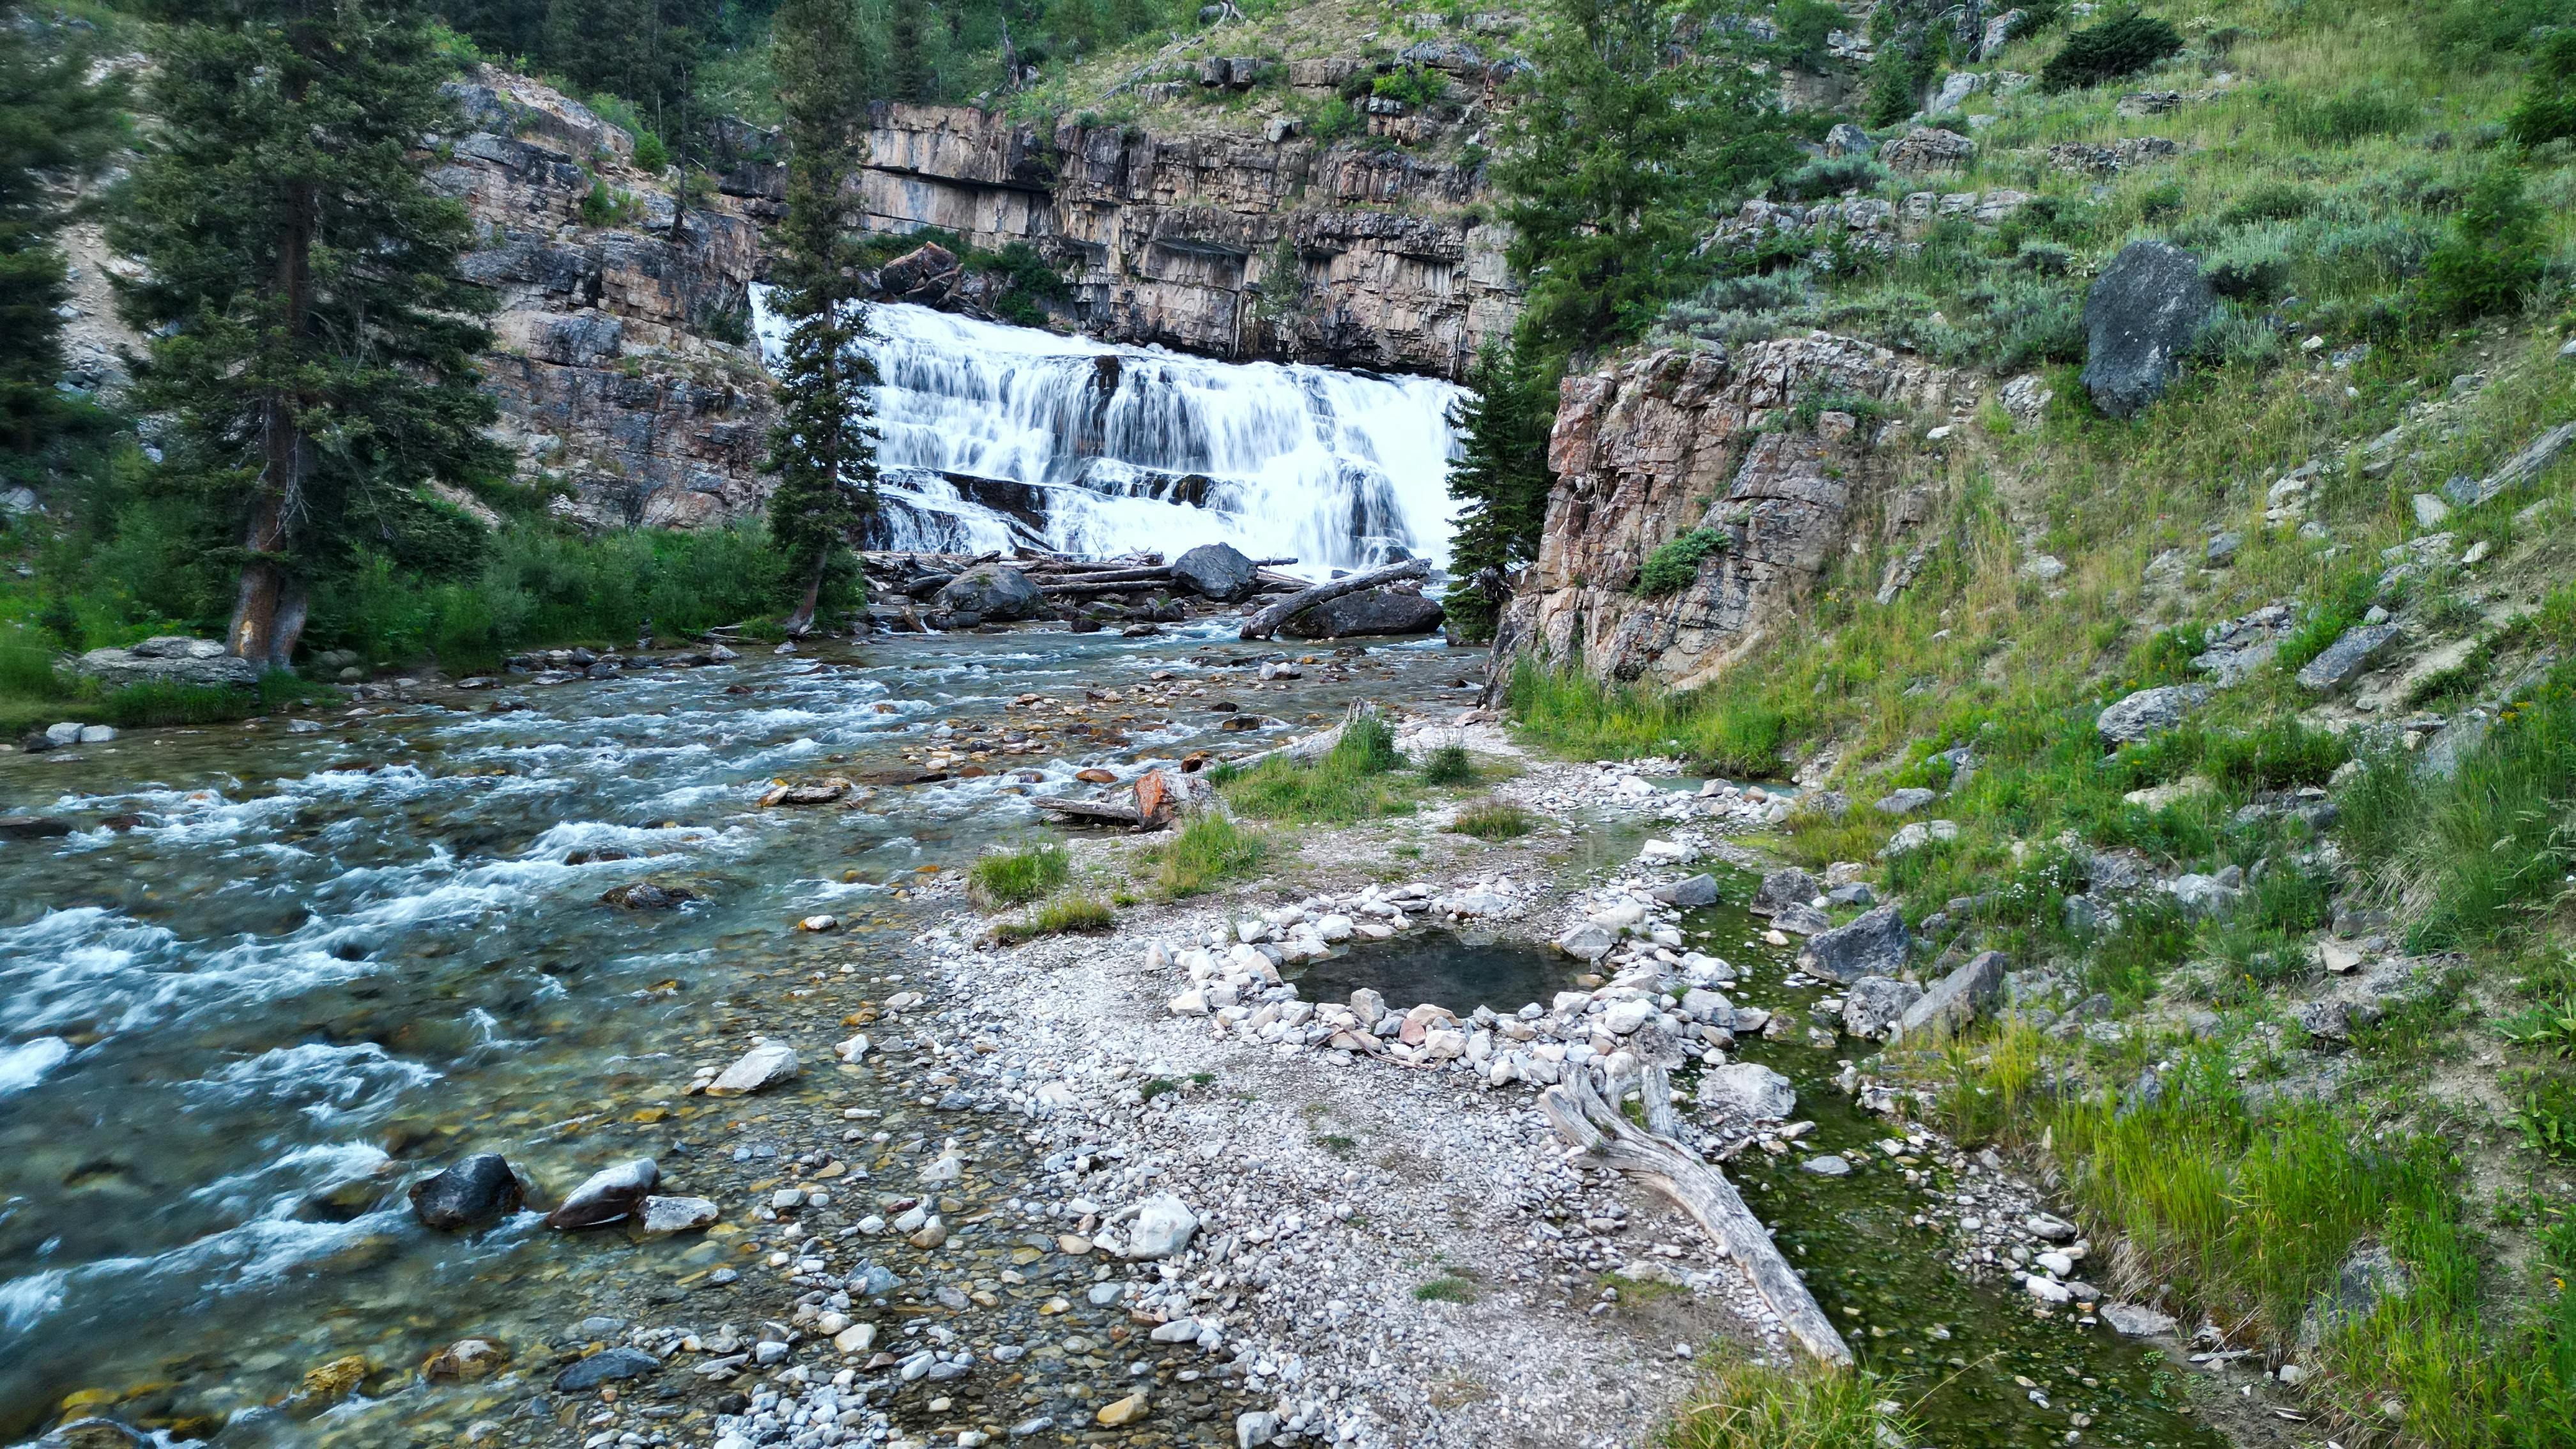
(1589, 1121)
(801, 623)
(265, 586)
(1267, 622)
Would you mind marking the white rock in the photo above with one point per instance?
(856, 1339)
(1334, 928)
(767, 1064)
(664, 1216)
(2047, 1290)
(1624, 1017)
(1163, 1226)
(1588, 941)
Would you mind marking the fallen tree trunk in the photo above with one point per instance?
(1589, 1121)
(1267, 622)
(1097, 812)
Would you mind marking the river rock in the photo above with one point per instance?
(609, 1195)
(1876, 1003)
(2149, 712)
(1370, 611)
(1832, 1164)
(93, 1433)
(33, 827)
(167, 659)
(1748, 1091)
(464, 1361)
(664, 1216)
(607, 1366)
(481, 1189)
(765, 1065)
(1163, 1226)
(2131, 1321)
(1699, 890)
(1800, 919)
(1958, 998)
(1124, 1411)
(1784, 887)
(2140, 316)
(1587, 941)
(1255, 1429)
(993, 591)
(1873, 945)
(645, 895)
(1218, 571)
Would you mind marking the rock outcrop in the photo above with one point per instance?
(1657, 446)
(1179, 241)
(622, 363)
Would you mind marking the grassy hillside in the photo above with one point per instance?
(2171, 1078)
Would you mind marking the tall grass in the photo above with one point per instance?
(1354, 780)
(1209, 850)
(1759, 1406)
(1568, 711)
(1008, 878)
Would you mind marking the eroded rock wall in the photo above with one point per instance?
(1652, 447)
(1173, 240)
(616, 362)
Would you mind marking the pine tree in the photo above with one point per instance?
(907, 65)
(54, 125)
(1501, 482)
(315, 345)
(824, 450)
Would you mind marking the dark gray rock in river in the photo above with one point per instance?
(1218, 571)
(2141, 316)
(994, 591)
(606, 1366)
(1370, 611)
(481, 1189)
(1874, 945)
(610, 1195)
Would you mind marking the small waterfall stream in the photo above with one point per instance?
(996, 436)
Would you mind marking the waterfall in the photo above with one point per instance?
(999, 436)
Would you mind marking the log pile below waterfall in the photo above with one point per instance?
(1139, 593)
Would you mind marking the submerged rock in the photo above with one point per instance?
(481, 1189)
(1748, 1090)
(645, 895)
(608, 1196)
(663, 1216)
(765, 1065)
(608, 1366)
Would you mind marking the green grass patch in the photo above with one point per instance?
(1449, 765)
(1007, 878)
(1357, 779)
(1573, 714)
(1448, 1288)
(1062, 916)
(1759, 1406)
(1493, 820)
(1209, 851)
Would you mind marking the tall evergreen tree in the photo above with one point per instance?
(1500, 481)
(1635, 121)
(907, 63)
(55, 125)
(824, 451)
(314, 341)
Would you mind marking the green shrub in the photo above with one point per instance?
(650, 154)
(2120, 46)
(1762, 1406)
(1493, 820)
(1672, 567)
(2495, 253)
(1016, 877)
(1449, 765)
(2547, 110)
(2278, 754)
(1415, 88)
(2269, 201)
(1447, 1288)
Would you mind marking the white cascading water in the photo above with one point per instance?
(999, 436)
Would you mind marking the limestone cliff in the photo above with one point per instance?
(1787, 450)
(621, 365)
(1175, 240)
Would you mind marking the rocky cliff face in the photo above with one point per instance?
(1774, 449)
(1177, 241)
(622, 365)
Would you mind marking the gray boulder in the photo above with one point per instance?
(1370, 611)
(1748, 1091)
(1784, 887)
(2368, 1277)
(1874, 945)
(481, 1189)
(2345, 659)
(1956, 999)
(1218, 571)
(1846, 139)
(2149, 712)
(2141, 315)
(992, 591)
(606, 1366)
(1905, 801)
(167, 659)
(1800, 919)
(609, 1195)
(1876, 1003)
(1699, 890)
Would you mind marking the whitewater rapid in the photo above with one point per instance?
(998, 436)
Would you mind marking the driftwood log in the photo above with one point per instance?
(1588, 1120)
(1096, 812)
(1266, 623)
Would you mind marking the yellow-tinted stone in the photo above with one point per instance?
(1125, 1411)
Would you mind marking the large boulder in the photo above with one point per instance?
(1786, 887)
(1873, 945)
(1877, 1003)
(608, 1196)
(992, 591)
(1956, 999)
(1218, 571)
(2140, 317)
(1370, 611)
(2343, 661)
(1927, 149)
(1748, 1092)
(167, 659)
(2149, 712)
